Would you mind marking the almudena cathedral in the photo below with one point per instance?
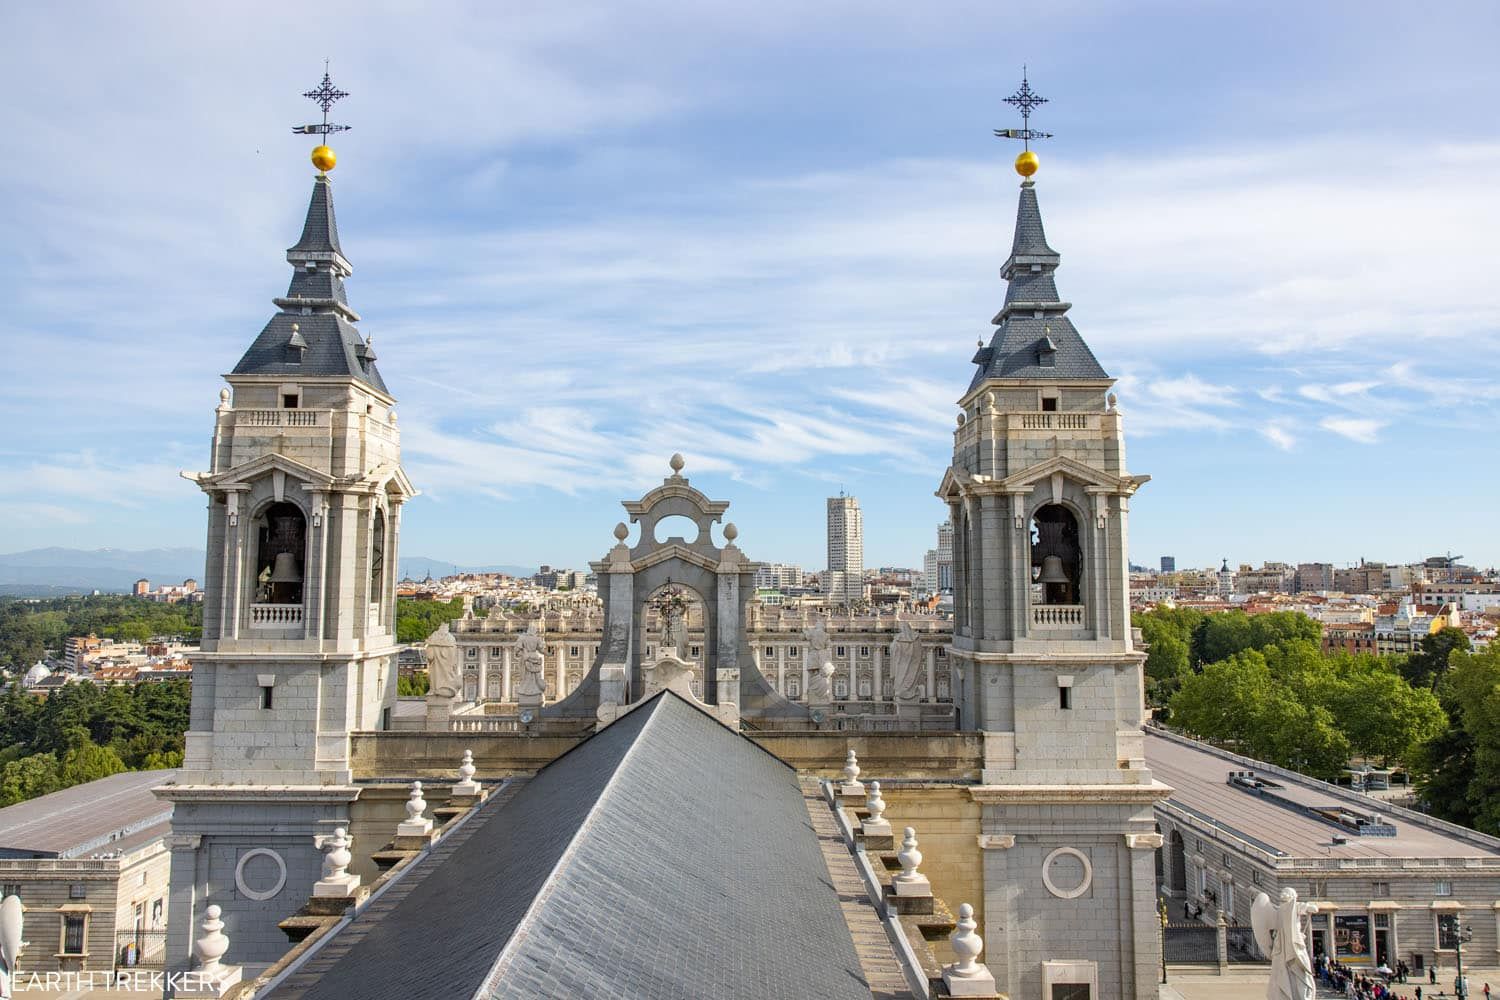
(690, 795)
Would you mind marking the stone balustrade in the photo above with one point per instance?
(1057, 616)
(283, 418)
(275, 615)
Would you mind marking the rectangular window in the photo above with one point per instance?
(1065, 697)
(792, 651)
(1382, 921)
(78, 891)
(289, 401)
(1443, 888)
(10, 889)
(864, 652)
(1380, 890)
(838, 651)
(494, 650)
(695, 650)
(73, 926)
(1447, 931)
(471, 653)
(770, 652)
(942, 653)
(1049, 404)
(841, 689)
(573, 652)
(265, 696)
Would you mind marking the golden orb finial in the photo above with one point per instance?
(1026, 163)
(324, 160)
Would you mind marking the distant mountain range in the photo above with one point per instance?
(48, 572)
(56, 571)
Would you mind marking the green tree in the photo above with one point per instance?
(412, 685)
(1383, 716)
(1460, 776)
(416, 620)
(1425, 667)
(89, 762)
(29, 777)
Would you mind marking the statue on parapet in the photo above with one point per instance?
(531, 688)
(441, 655)
(907, 667)
(1278, 933)
(818, 662)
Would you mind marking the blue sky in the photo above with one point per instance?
(586, 236)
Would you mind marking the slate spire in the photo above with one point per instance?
(313, 334)
(1033, 339)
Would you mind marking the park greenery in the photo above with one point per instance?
(1261, 685)
(29, 629)
(83, 731)
(416, 620)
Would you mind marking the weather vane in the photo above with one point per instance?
(1026, 101)
(325, 95)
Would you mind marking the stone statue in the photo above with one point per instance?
(531, 687)
(906, 664)
(12, 917)
(443, 680)
(818, 662)
(1278, 932)
(674, 634)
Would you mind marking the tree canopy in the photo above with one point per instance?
(28, 629)
(416, 620)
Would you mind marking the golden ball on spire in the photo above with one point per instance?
(324, 160)
(1027, 163)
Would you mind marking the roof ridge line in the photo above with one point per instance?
(544, 893)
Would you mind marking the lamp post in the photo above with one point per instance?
(1161, 911)
(1462, 935)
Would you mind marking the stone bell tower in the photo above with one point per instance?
(1043, 653)
(305, 491)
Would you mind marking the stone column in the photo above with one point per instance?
(505, 672)
(875, 690)
(482, 689)
(852, 649)
(803, 695)
(562, 671)
(781, 670)
(932, 673)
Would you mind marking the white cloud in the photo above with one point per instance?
(1360, 429)
(1280, 436)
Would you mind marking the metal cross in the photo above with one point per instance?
(1026, 101)
(325, 95)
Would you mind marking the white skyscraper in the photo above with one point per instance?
(944, 580)
(846, 551)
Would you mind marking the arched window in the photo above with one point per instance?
(280, 555)
(1056, 555)
(377, 558)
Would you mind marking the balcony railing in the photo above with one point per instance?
(1057, 616)
(1056, 421)
(281, 418)
(275, 615)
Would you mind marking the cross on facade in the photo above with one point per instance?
(1026, 101)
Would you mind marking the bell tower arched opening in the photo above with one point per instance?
(280, 554)
(1056, 556)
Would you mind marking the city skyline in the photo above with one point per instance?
(656, 254)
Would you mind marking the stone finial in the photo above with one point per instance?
(224, 399)
(966, 944)
(962, 417)
(416, 824)
(851, 787)
(212, 943)
(1113, 401)
(677, 462)
(731, 532)
(967, 977)
(466, 783)
(337, 857)
(621, 532)
(909, 856)
(875, 803)
(851, 767)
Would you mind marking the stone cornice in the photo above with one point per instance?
(1070, 794)
(235, 793)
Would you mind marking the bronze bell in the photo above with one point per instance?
(1052, 570)
(285, 569)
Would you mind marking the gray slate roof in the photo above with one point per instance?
(109, 814)
(334, 345)
(1033, 313)
(666, 856)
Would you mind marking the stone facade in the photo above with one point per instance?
(861, 646)
(305, 491)
(119, 900)
(1043, 650)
